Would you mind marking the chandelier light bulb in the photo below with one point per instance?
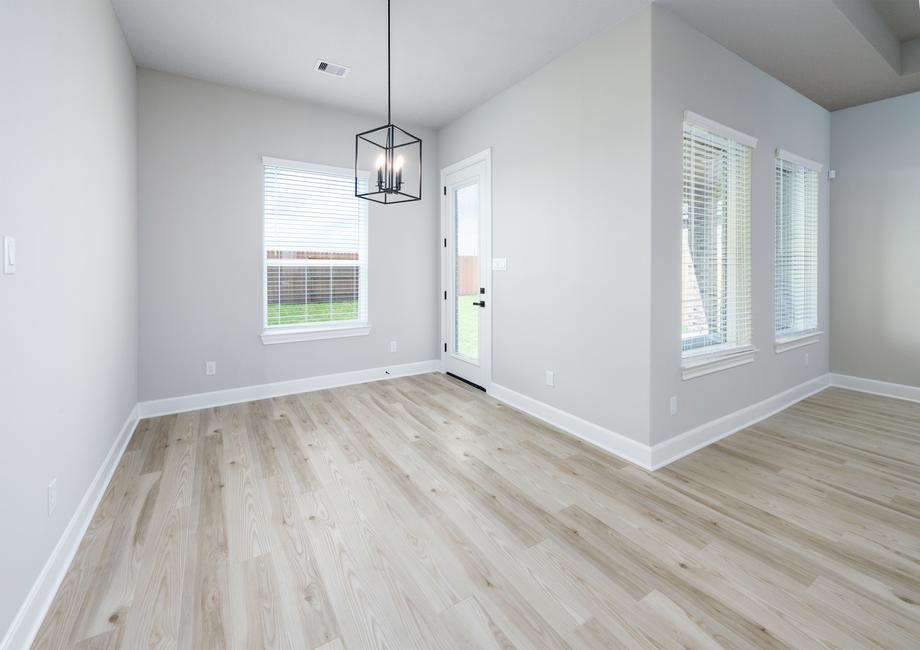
(380, 162)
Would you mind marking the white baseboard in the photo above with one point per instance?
(154, 408)
(876, 387)
(29, 618)
(686, 443)
(664, 453)
(615, 443)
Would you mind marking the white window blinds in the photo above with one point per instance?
(716, 241)
(796, 264)
(315, 247)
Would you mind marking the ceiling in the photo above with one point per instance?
(447, 56)
(839, 53)
(451, 56)
(901, 16)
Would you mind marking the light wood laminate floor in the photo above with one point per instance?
(420, 513)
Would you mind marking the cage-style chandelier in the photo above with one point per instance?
(394, 155)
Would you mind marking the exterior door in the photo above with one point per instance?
(467, 286)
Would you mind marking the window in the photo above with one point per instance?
(796, 263)
(315, 253)
(716, 247)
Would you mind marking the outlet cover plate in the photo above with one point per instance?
(9, 255)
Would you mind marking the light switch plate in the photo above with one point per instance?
(9, 254)
(499, 264)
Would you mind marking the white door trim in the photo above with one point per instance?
(484, 157)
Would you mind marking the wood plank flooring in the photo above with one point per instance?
(421, 513)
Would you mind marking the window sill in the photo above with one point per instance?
(802, 339)
(693, 367)
(294, 335)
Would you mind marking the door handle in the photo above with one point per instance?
(481, 303)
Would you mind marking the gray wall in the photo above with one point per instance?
(200, 173)
(68, 318)
(690, 71)
(570, 166)
(875, 241)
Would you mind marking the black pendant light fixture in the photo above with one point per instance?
(388, 159)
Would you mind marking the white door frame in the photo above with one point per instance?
(485, 357)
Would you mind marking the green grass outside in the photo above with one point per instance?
(468, 326)
(314, 312)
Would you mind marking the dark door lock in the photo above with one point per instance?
(481, 303)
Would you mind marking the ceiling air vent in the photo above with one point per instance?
(333, 69)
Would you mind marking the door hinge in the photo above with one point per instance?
(445, 295)
(445, 242)
(445, 347)
(445, 190)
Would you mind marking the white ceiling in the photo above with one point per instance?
(839, 53)
(448, 56)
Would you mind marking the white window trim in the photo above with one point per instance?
(705, 364)
(797, 340)
(301, 333)
(308, 166)
(720, 129)
(806, 337)
(298, 333)
(796, 159)
(718, 358)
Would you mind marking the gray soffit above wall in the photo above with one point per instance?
(838, 53)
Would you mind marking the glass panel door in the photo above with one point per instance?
(466, 271)
(466, 266)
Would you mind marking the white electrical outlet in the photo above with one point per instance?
(550, 378)
(392, 346)
(9, 255)
(674, 405)
(210, 368)
(52, 496)
(499, 264)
